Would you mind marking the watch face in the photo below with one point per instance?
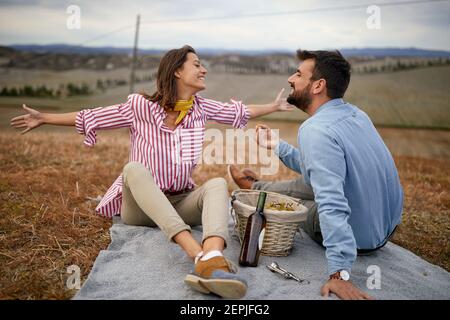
(345, 275)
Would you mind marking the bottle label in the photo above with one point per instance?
(261, 238)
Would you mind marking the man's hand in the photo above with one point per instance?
(281, 103)
(266, 137)
(344, 290)
(29, 121)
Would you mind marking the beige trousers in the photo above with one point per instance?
(144, 204)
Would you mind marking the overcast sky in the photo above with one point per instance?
(422, 25)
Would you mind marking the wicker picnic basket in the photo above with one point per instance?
(281, 225)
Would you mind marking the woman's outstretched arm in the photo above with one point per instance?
(279, 104)
(237, 114)
(33, 119)
(86, 121)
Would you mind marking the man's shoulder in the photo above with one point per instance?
(311, 134)
(313, 128)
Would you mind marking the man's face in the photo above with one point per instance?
(301, 82)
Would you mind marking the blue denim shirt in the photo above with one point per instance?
(354, 179)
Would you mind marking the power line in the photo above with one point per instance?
(253, 15)
(104, 35)
(283, 13)
(262, 14)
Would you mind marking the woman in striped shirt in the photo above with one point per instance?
(156, 188)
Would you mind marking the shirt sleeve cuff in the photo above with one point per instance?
(333, 268)
(79, 123)
(246, 116)
(243, 115)
(85, 126)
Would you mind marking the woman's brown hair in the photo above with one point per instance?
(166, 87)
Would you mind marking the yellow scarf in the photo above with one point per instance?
(183, 106)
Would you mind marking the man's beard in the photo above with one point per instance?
(302, 99)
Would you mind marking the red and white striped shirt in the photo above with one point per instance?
(171, 156)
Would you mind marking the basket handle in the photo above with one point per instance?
(233, 215)
(233, 199)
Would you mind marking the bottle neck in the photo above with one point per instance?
(261, 202)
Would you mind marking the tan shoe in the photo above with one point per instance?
(217, 275)
(243, 181)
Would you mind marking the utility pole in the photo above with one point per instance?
(134, 58)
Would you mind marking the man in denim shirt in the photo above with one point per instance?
(347, 171)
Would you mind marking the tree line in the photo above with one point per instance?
(68, 89)
(400, 66)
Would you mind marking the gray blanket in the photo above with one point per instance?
(141, 264)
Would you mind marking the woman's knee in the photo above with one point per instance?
(134, 169)
(136, 219)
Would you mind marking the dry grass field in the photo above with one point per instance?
(48, 178)
(47, 219)
(413, 98)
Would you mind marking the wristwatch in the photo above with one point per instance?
(341, 275)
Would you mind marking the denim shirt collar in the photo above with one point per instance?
(325, 106)
(330, 103)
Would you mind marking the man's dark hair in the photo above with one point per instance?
(331, 66)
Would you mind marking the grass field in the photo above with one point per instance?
(414, 98)
(47, 221)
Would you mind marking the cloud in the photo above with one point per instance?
(421, 25)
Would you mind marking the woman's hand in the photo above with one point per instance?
(281, 103)
(32, 119)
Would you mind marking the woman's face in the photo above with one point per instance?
(192, 73)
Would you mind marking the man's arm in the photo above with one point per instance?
(325, 165)
(269, 138)
(289, 155)
(326, 168)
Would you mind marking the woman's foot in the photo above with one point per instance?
(217, 275)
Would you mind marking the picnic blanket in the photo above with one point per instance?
(140, 263)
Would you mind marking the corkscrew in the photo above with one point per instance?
(274, 267)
